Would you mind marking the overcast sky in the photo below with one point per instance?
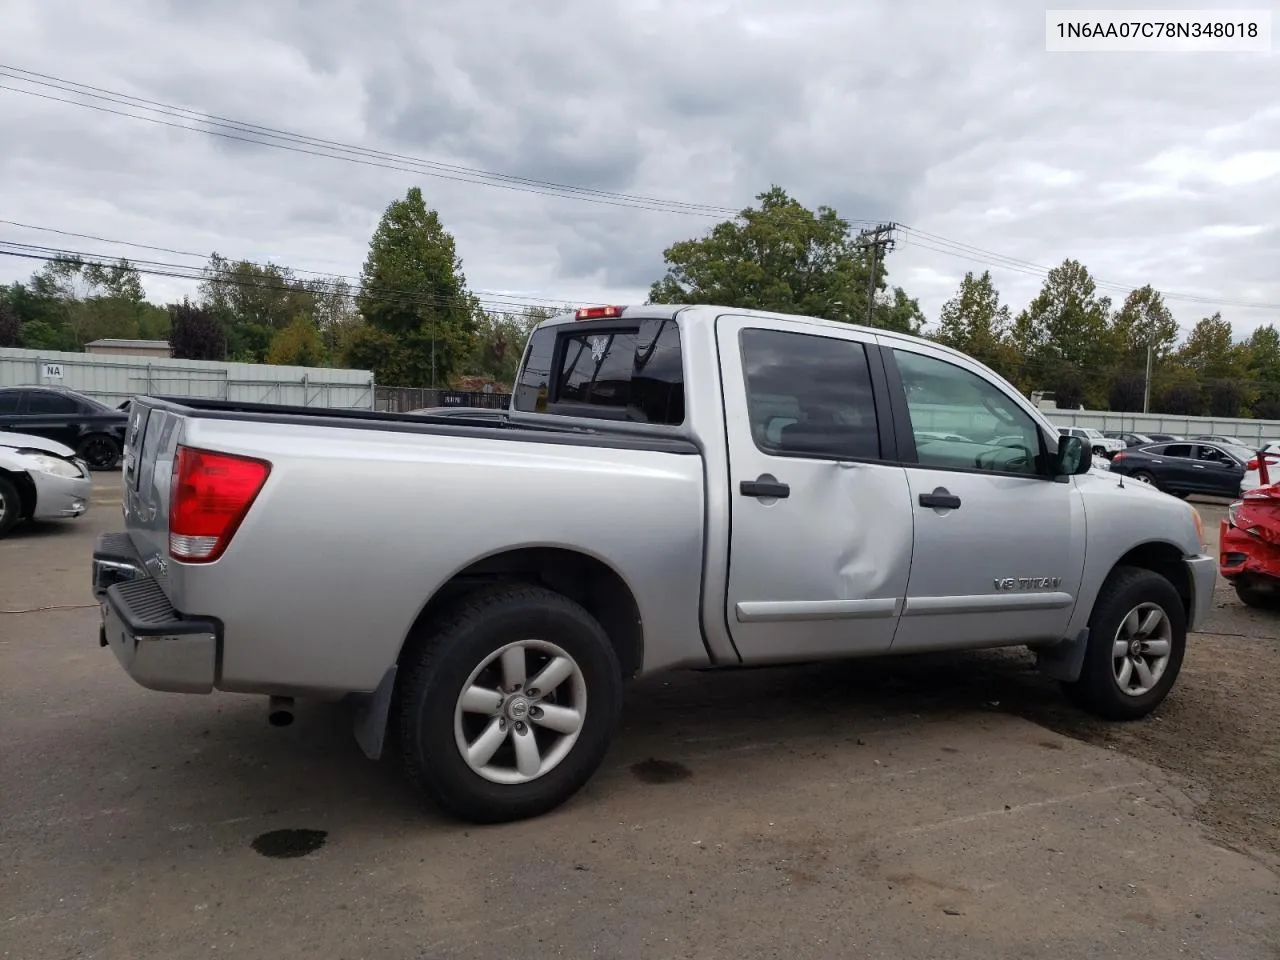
(945, 116)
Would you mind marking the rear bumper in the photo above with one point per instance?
(60, 497)
(1203, 572)
(160, 648)
(114, 561)
(1243, 555)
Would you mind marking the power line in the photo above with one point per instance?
(262, 135)
(509, 308)
(558, 301)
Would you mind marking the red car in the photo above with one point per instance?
(1249, 545)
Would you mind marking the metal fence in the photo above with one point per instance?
(113, 379)
(402, 399)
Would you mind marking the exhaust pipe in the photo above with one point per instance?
(280, 711)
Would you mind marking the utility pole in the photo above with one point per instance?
(880, 239)
(1146, 383)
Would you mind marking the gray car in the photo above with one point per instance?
(672, 487)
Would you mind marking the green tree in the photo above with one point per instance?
(975, 322)
(1142, 321)
(10, 329)
(897, 311)
(252, 302)
(412, 290)
(298, 345)
(1125, 393)
(1063, 332)
(1181, 398)
(784, 257)
(196, 333)
(1209, 352)
(1262, 366)
(500, 341)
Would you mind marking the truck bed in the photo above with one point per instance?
(364, 515)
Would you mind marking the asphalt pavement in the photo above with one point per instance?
(885, 809)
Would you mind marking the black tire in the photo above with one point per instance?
(1258, 597)
(10, 505)
(441, 659)
(99, 451)
(1144, 476)
(1098, 689)
(1099, 452)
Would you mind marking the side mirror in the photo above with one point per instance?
(1074, 457)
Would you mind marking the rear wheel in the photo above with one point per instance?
(1142, 476)
(99, 451)
(10, 505)
(508, 703)
(1137, 638)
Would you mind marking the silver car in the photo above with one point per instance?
(40, 479)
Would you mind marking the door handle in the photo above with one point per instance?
(1198, 466)
(764, 488)
(940, 499)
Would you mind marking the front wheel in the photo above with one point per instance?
(508, 703)
(1137, 638)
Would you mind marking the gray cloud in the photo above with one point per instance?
(948, 117)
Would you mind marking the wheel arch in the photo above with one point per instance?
(583, 577)
(1164, 558)
(1064, 660)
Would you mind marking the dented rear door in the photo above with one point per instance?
(821, 534)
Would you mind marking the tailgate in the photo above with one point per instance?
(150, 442)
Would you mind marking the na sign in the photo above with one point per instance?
(53, 371)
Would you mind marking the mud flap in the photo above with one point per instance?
(1065, 660)
(371, 713)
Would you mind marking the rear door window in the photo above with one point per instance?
(809, 395)
(9, 400)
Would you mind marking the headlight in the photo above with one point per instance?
(1195, 514)
(1233, 511)
(55, 466)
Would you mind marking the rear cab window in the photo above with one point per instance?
(606, 370)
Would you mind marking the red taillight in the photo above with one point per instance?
(209, 496)
(597, 313)
(1252, 464)
(1118, 455)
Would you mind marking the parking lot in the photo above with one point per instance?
(926, 807)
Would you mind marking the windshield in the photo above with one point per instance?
(1243, 454)
(1093, 434)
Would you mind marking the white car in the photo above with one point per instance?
(1102, 446)
(40, 479)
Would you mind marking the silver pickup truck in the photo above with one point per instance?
(672, 487)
